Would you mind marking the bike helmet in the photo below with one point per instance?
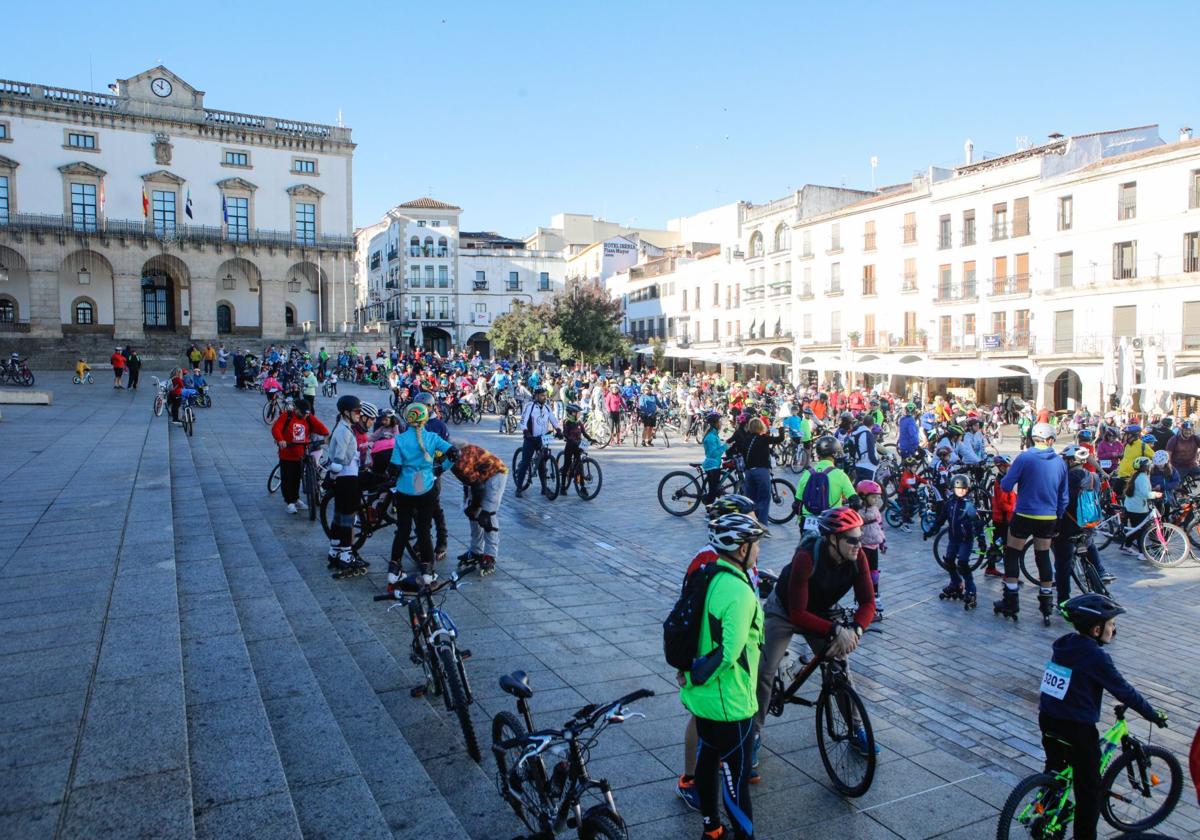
(302, 406)
(954, 430)
(827, 446)
(960, 480)
(845, 416)
(1006, 460)
(876, 429)
(727, 532)
(1042, 431)
(808, 410)
(713, 418)
(387, 412)
(369, 411)
(1086, 611)
(308, 367)
(416, 414)
(1149, 438)
(1086, 436)
(1077, 454)
(1187, 424)
(730, 503)
(572, 408)
(838, 520)
(1140, 462)
(348, 403)
(1167, 421)
(943, 450)
(1133, 429)
(1161, 457)
(867, 487)
(539, 390)
(424, 398)
(972, 421)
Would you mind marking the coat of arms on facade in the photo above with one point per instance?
(162, 150)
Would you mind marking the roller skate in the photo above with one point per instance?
(335, 550)
(1046, 604)
(349, 565)
(951, 592)
(469, 560)
(487, 565)
(1009, 605)
(969, 600)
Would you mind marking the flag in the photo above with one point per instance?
(224, 210)
(187, 205)
(145, 204)
(102, 197)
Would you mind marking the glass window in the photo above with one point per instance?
(237, 158)
(237, 218)
(414, 275)
(84, 314)
(514, 280)
(83, 206)
(3, 131)
(81, 140)
(1127, 201)
(1066, 212)
(415, 307)
(428, 277)
(544, 281)
(1064, 270)
(443, 308)
(162, 205)
(306, 223)
(443, 277)
(968, 236)
(3, 199)
(429, 308)
(480, 279)
(8, 312)
(306, 166)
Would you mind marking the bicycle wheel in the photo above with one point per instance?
(76, 381)
(662, 432)
(1137, 795)
(273, 480)
(589, 479)
(159, 402)
(602, 826)
(311, 487)
(782, 496)
(1092, 578)
(679, 493)
(527, 783)
(1165, 545)
(938, 542)
(1029, 568)
(270, 412)
(27, 378)
(1107, 531)
(189, 420)
(551, 467)
(891, 515)
(850, 770)
(327, 514)
(456, 697)
(1033, 809)
(516, 461)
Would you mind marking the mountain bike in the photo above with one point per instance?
(1140, 784)
(375, 513)
(849, 763)
(86, 380)
(587, 476)
(924, 508)
(435, 649)
(312, 476)
(273, 407)
(565, 796)
(1085, 575)
(544, 463)
(462, 412)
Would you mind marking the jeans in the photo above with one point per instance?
(486, 540)
(958, 556)
(530, 446)
(758, 488)
(208, 366)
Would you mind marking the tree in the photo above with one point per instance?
(659, 353)
(523, 329)
(588, 324)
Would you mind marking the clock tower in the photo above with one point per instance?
(161, 90)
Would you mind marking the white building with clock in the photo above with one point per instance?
(141, 212)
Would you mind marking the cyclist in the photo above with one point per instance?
(1184, 449)
(971, 449)
(874, 542)
(811, 503)
(342, 453)
(483, 478)
(1040, 478)
(647, 403)
(724, 704)
(714, 453)
(81, 366)
(1073, 686)
(292, 432)
(959, 514)
(536, 420)
(1080, 482)
(573, 433)
(308, 385)
(827, 564)
(437, 426)
(1136, 500)
(1138, 444)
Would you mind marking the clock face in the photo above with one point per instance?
(161, 87)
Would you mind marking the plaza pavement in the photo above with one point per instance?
(176, 661)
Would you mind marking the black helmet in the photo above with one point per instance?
(730, 503)
(572, 408)
(827, 446)
(348, 403)
(960, 480)
(1086, 611)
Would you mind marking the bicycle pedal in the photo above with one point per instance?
(464, 653)
(417, 691)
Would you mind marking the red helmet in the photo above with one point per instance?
(866, 487)
(838, 520)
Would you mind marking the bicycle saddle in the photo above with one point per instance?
(696, 466)
(517, 684)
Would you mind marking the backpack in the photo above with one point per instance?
(1087, 508)
(871, 454)
(681, 630)
(815, 497)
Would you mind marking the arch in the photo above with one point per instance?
(443, 247)
(1019, 368)
(240, 268)
(783, 237)
(170, 265)
(304, 298)
(1062, 389)
(756, 351)
(84, 272)
(14, 275)
(83, 311)
(289, 316)
(414, 246)
(868, 357)
(904, 360)
(164, 277)
(756, 244)
(427, 246)
(226, 317)
(782, 354)
(10, 309)
(436, 340)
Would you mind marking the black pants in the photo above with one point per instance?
(173, 404)
(1132, 520)
(289, 480)
(1077, 744)
(208, 366)
(722, 770)
(410, 509)
(439, 517)
(134, 373)
(712, 485)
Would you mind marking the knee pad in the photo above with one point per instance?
(875, 578)
(343, 520)
(1042, 557)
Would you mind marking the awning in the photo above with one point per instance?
(1189, 385)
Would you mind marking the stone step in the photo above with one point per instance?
(326, 785)
(238, 779)
(408, 798)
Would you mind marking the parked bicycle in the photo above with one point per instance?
(435, 649)
(549, 802)
(17, 372)
(312, 475)
(1140, 784)
(1162, 544)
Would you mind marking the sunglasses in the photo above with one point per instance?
(851, 540)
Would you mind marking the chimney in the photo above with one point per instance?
(969, 151)
(1055, 135)
(1185, 134)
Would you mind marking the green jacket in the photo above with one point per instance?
(736, 617)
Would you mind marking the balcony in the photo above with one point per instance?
(833, 289)
(956, 293)
(868, 287)
(480, 286)
(392, 284)
(908, 234)
(781, 290)
(908, 283)
(999, 231)
(807, 254)
(19, 326)
(868, 242)
(968, 236)
(805, 293)
(391, 254)
(1014, 284)
(512, 287)
(944, 241)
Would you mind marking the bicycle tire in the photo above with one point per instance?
(835, 701)
(159, 402)
(27, 378)
(1039, 785)
(602, 827)
(976, 558)
(592, 479)
(1168, 552)
(1030, 573)
(1113, 775)
(551, 474)
(360, 535)
(527, 785)
(782, 495)
(311, 488)
(456, 697)
(683, 490)
(270, 412)
(892, 516)
(516, 461)
(189, 420)
(274, 480)
(76, 381)
(1109, 529)
(1092, 577)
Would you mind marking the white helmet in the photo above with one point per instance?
(726, 533)
(1042, 431)
(1161, 457)
(369, 411)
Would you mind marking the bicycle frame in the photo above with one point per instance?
(832, 671)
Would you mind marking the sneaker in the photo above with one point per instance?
(860, 741)
(754, 750)
(301, 505)
(1132, 552)
(992, 571)
(718, 833)
(1107, 578)
(905, 527)
(291, 508)
(686, 790)
(753, 777)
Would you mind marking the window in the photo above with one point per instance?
(8, 311)
(443, 249)
(84, 312)
(716, 333)
(783, 238)
(1127, 201)
(807, 325)
(868, 336)
(306, 223)
(429, 308)
(756, 245)
(1193, 186)
(835, 279)
(233, 158)
(1020, 336)
(717, 293)
(969, 325)
(999, 275)
(1064, 270)
(514, 281)
(1000, 221)
(3, 199)
(304, 166)
(910, 328)
(435, 223)
(1191, 242)
(835, 327)
(375, 257)
(910, 275)
(868, 281)
(1191, 325)
(1020, 226)
(1020, 280)
(1064, 331)
(807, 243)
(4, 131)
(443, 277)
(696, 303)
(237, 215)
(1124, 260)
(869, 235)
(162, 203)
(999, 323)
(910, 228)
(81, 140)
(481, 308)
(480, 281)
(443, 308)
(414, 276)
(835, 237)
(289, 316)
(421, 223)
(83, 207)
(415, 307)
(1066, 212)
(428, 277)
(968, 236)
(945, 285)
(944, 330)
(969, 291)
(737, 295)
(1124, 321)
(944, 234)
(414, 247)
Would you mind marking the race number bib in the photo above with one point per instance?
(1106, 463)
(810, 523)
(583, 444)
(1056, 679)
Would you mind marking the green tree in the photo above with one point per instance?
(659, 353)
(523, 329)
(587, 323)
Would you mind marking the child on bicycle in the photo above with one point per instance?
(81, 368)
(1073, 686)
(573, 433)
(959, 514)
(874, 542)
(1004, 505)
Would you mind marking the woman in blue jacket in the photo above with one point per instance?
(416, 455)
(714, 451)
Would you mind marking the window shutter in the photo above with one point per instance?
(1021, 216)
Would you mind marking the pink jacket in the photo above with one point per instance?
(872, 532)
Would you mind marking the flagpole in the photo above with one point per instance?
(318, 291)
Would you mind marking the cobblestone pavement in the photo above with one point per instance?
(580, 592)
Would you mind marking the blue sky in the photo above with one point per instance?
(641, 111)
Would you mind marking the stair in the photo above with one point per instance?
(349, 768)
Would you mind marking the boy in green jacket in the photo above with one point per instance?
(724, 703)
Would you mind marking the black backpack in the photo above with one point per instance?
(681, 630)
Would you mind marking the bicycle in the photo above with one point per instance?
(187, 414)
(548, 803)
(18, 372)
(545, 464)
(587, 477)
(435, 649)
(1041, 805)
(374, 514)
(312, 476)
(272, 409)
(1162, 544)
(86, 380)
(329, 386)
(160, 396)
(849, 764)
(680, 492)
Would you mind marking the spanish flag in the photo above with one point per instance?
(145, 204)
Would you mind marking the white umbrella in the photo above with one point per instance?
(1126, 375)
(1168, 401)
(1150, 376)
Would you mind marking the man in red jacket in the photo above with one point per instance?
(292, 432)
(118, 365)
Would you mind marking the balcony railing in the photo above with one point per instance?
(868, 287)
(952, 292)
(868, 242)
(14, 326)
(1127, 209)
(805, 292)
(512, 287)
(908, 234)
(908, 283)
(1191, 264)
(999, 231)
(63, 225)
(480, 286)
(968, 235)
(833, 289)
(944, 241)
(1015, 284)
